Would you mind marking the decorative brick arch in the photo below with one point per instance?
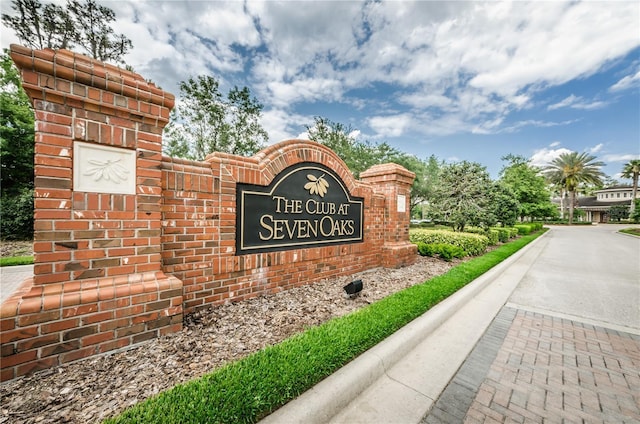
(119, 260)
(276, 158)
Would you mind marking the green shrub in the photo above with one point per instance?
(503, 234)
(523, 229)
(17, 216)
(471, 244)
(448, 252)
(445, 251)
(426, 249)
(528, 228)
(489, 233)
(537, 226)
(635, 216)
(493, 237)
(566, 222)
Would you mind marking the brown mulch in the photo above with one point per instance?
(16, 248)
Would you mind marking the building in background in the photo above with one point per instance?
(597, 208)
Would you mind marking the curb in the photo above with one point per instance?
(320, 403)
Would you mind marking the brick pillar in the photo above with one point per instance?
(98, 283)
(394, 182)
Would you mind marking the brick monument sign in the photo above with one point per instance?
(127, 240)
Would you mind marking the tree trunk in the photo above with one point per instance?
(634, 193)
(572, 198)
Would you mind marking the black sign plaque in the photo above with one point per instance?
(306, 205)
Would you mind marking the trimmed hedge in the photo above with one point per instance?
(528, 228)
(445, 251)
(490, 233)
(471, 244)
(503, 234)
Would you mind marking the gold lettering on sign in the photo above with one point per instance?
(292, 229)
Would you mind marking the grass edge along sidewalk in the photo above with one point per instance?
(16, 260)
(249, 389)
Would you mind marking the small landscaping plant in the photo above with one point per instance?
(444, 251)
(471, 244)
(503, 234)
(528, 228)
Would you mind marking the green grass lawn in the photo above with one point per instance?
(632, 231)
(249, 389)
(16, 260)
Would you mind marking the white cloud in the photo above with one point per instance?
(554, 42)
(563, 103)
(283, 125)
(425, 100)
(451, 66)
(308, 90)
(576, 102)
(354, 134)
(544, 156)
(391, 125)
(516, 126)
(595, 149)
(619, 157)
(630, 81)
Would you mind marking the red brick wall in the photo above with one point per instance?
(199, 216)
(98, 283)
(112, 270)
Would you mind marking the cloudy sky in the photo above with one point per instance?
(462, 80)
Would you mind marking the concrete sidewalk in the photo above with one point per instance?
(399, 380)
(11, 277)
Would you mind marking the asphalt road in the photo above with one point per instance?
(586, 272)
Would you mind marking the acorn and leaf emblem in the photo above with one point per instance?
(109, 170)
(317, 185)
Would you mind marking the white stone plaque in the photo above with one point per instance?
(402, 203)
(103, 169)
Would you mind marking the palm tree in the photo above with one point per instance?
(632, 170)
(571, 169)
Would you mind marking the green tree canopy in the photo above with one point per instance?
(204, 121)
(631, 170)
(358, 155)
(16, 155)
(86, 25)
(463, 196)
(361, 155)
(528, 186)
(427, 174)
(16, 131)
(619, 212)
(505, 206)
(570, 170)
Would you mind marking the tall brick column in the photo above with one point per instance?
(394, 182)
(98, 283)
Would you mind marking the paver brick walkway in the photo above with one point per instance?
(537, 368)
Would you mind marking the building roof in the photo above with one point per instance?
(593, 201)
(616, 188)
